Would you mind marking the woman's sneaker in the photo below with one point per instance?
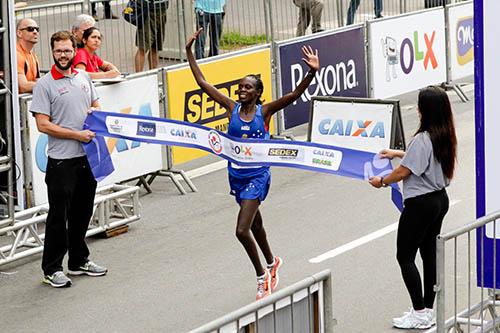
(414, 319)
(57, 280)
(263, 286)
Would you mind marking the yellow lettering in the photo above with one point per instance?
(194, 111)
(207, 105)
(233, 94)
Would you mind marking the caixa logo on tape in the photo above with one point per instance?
(465, 40)
(408, 53)
(360, 128)
(146, 128)
(199, 108)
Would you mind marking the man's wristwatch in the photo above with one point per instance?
(382, 182)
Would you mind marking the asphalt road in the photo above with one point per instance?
(181, 266)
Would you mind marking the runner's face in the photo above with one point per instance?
(94, 40)
(247, 91)
(63, 54)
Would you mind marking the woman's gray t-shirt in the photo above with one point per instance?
(426, 172)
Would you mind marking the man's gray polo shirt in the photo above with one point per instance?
(66, 100)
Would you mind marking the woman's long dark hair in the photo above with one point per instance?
(436, 118)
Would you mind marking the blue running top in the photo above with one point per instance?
(254, 129)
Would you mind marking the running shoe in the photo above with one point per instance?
(57, 280)
(273, 270)
(89, 268)
(263, 286)
(413, 319)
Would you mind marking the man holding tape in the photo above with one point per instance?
(61, 101)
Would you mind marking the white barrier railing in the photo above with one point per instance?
(114, 206)
(305, 306)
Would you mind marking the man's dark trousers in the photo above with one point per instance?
(71, 190)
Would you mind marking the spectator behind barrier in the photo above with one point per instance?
(27, 32)
(82, 22)
(378, 6)
(209, 14)
(309, 9)
(88, 60)
(107, 10)
(150, 34)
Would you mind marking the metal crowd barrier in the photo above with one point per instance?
(245, 24)
(305, 306)
(457, 245)
(114, 206)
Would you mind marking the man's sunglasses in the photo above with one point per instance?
(31, 29)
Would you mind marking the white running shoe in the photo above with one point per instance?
(414, 319)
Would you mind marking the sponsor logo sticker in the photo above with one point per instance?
(146, 129)
(215, 142)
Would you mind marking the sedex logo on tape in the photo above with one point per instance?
(199, 108)
(146, 128)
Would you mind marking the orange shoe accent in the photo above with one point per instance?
(263, 287)
(275, 278)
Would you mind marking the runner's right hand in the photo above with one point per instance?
(192, 39)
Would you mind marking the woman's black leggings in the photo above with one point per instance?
(419, 224)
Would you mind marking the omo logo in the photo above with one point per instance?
(361, 128)
(120, 145)
(465, 40)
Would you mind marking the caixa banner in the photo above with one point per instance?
(342, 72)
(407, 53)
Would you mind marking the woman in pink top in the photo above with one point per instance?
(88, 60)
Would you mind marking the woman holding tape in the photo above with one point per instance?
(426, 169)
(249, 119)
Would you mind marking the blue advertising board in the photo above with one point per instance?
(342, 72)
(487, 71)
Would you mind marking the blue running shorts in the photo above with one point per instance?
(255, 187)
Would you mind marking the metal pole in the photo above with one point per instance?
(7, 9)
(439, 288)
(340, 12)
(447, 43)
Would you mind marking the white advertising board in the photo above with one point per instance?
(130, 159)
(360, 126)
(461, 36)
(407, 53)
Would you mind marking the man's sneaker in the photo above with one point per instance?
(430, 314)
(273, 271)
(89, 268)
(413, 319)
(57, 280)
(263, 286)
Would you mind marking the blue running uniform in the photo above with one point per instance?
(248, 183)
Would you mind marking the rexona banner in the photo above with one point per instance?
(461, 36)
(487, 72)
(407, 53)
(187, 102)
(342, 72)
(130, 158)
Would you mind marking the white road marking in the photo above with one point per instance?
(360, 241)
